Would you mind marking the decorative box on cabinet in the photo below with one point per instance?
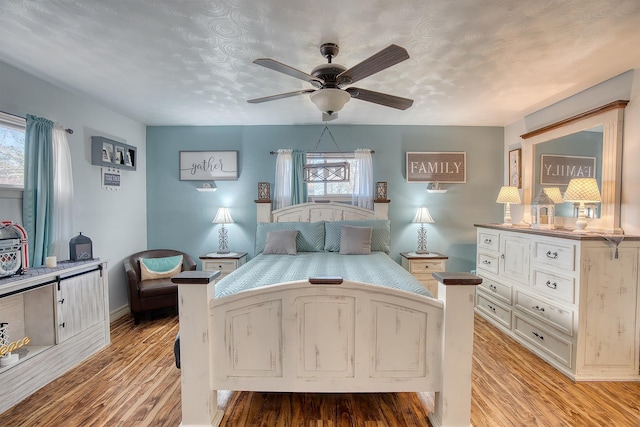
(223, 263)
(573, 299)
(65, 313)
(109, 153)
(421, 267)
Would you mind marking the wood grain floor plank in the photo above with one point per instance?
(134, 383)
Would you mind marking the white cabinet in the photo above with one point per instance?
(65, 313)
(225, 263)
(571, 298)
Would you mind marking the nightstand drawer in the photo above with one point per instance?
(225, 266)
(420, 266)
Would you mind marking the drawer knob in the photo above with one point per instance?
(487, 241)
(552, 255)
(492, 308)
(537, 308)
(537, 335)
(426, 266)
(61, 301)
(553, 285)
(486, 262)
(494, 288)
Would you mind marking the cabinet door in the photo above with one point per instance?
(80, 302)
(514, 259)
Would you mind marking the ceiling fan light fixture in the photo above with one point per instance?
(330, 100)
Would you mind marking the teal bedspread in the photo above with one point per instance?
(377, 268)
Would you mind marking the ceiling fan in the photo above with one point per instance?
(329, 80)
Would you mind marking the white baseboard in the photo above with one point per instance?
(119, 312)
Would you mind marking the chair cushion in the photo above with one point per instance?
(160, 268)
(156, 287)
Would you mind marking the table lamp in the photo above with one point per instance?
(422, 217)
(507, 196)
(223, 217)
(582, 190)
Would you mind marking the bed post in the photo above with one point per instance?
(453, 401)
(199, 400)
(381, 209)
(263, 211)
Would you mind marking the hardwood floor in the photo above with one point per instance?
(134, 382)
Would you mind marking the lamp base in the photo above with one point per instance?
(422, 252)
(224, 251)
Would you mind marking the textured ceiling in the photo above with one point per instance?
(189, 62)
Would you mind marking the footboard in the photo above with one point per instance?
(351, 337)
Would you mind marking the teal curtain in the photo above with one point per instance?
(298, 186)
(37, 204)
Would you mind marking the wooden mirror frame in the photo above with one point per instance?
(611, 117)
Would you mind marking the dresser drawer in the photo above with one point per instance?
(424, 266)
(224, 266)
(554, 286)
(488, 262)
(497, 312)
(558, 317)
(556, 255)
(489, 240)
(556, 347)
(496, 290)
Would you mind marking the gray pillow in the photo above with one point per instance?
(355, 240)
(282, 242)
(380, 236)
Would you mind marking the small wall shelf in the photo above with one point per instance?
(109, 153)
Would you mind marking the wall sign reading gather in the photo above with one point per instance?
(450, 167)
(208, 165)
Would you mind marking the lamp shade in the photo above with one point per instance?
(223, 217)
(554, 194)
(330, 100)
(509, 195)
(582, 190)
(423, 216)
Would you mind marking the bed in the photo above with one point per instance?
(320, 320)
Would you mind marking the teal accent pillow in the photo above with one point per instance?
(160, 268)
(310, 236)
(380, 236)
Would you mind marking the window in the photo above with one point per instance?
(12, 131)
(336, 191)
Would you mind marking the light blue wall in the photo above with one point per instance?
(180, 217)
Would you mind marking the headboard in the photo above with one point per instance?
(314, 211)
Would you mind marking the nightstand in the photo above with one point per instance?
(422, 265)
(225, 263)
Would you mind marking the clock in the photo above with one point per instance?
(80, 248)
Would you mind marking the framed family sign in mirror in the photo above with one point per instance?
(588, 145)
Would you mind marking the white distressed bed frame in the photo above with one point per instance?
(299, 337)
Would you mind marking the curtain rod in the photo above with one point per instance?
(67, 130)
(324, 152)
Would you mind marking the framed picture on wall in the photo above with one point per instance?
(515, 168)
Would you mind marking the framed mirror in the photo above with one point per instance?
(586, 145)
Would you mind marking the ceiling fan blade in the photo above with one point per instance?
(380, 98)
(328, 117)
(280, 96)
(290, 71)
(387, 57)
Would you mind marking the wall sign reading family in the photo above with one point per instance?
(440, 167)
(559, 170)
(208, 165)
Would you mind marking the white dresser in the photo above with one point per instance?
(570, 298)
